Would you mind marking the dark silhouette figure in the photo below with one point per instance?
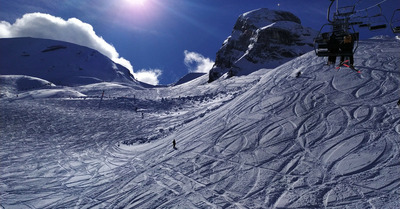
(346, 48)
(333, 48)
(174, 144)
(101, 99)
(298, 74)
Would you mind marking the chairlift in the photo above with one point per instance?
(378, 21)
(346, 11)
(321, 41)
(340, 26)
(395, 23)
(356, 21)
(359, 18)
(364, 25)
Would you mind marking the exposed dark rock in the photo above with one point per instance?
(261, 38)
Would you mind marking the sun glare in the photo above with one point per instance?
(136, 2)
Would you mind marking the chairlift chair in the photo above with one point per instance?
(395, 23)
(340, 25)
(378, 21)
(364, 20)
(356, 21)
(359, 19)
(364, 25)
(346, 11)
(321, 42)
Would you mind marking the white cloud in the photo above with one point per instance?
(5, 29)
(197, 62)
(148, 76)
(73, 30)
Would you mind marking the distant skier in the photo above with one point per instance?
(398, 103)
(101, 99)
(174, 144)
(346, 47)
(333, 48)
(298, 74)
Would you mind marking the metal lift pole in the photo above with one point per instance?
(337, 6)
(329, 11)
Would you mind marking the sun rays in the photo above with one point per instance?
(137, 2)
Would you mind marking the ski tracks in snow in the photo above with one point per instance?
(337, 147)
(324, 140)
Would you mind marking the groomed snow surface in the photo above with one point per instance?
(327, 139)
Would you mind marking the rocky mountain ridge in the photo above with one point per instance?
(262, 38)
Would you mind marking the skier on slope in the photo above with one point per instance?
(346, 47)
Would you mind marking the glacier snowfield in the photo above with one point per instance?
(327, 139)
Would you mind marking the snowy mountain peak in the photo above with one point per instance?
(262, 38)
(61, 63)
(263, 16)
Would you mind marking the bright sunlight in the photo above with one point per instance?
(137, 2)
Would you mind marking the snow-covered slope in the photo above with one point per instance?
(327, 139)
(188, 77)
(21, 87)
(59, 62)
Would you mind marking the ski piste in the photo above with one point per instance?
(324, 140)
(346, 65)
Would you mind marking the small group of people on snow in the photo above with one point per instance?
(344, 48)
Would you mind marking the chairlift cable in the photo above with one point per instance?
(355, 5)
(357, 2)
(378, 4)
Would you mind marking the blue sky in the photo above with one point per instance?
(157, 35)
